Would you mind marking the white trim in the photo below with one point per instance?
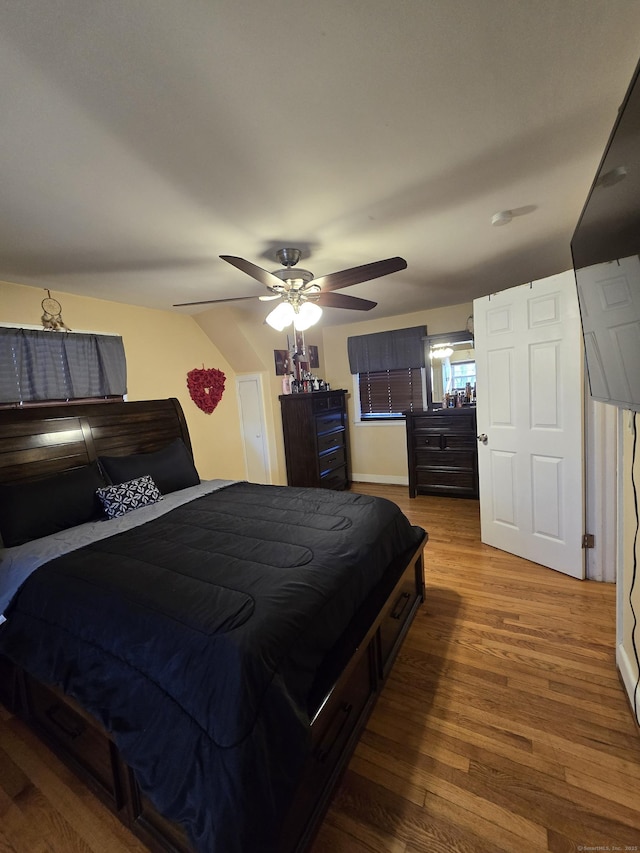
(387, 479)
(355, 398)
(381, 423)
(628, 675)
(620, 596)
(600, 432)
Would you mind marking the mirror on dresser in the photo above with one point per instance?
(451, 369)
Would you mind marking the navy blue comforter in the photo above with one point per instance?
(195, 640)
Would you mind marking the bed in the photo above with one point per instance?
(204, 654)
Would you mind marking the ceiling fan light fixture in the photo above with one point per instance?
(281, 316)
(307, 315)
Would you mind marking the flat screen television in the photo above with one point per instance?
(606, 258)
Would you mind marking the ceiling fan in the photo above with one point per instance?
(301, 295)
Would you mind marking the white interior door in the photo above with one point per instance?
(254, 438)
(529, 364)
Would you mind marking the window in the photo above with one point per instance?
(387, 394)
(388, 372)
(463, 372)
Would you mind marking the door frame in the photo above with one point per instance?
(601, 487)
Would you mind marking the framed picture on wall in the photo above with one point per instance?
(314, 360)
(281, 358)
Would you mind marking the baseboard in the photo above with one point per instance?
(386, 479)
(629, 679)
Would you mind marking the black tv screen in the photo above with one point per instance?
(606, 259)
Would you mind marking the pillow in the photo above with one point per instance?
(121, 499)
(38, 508)
(171, 467)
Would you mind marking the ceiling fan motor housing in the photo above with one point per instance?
(288, 257)
(297, 277)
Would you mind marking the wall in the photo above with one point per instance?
(629, 557)
(161, 347)
(379, 450)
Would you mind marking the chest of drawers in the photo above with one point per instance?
(442, 452)
(315, 439)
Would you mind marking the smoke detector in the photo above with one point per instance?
(504, 217)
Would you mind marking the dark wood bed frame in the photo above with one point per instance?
(45, 440)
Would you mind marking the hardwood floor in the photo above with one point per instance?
(503, 726)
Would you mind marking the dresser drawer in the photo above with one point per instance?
(463, 460)
(331, 460)
(455, 441)
(334, 479)
(328, 422)
(331, 440)
(446, 481)
(331, 729)
(328, 402)
(405, 599)
(432, 440)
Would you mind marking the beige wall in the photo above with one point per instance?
(161, 347)
(626, 655)
(379, 451)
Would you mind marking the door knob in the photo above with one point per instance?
(484, 438)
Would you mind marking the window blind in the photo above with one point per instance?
(389, 393)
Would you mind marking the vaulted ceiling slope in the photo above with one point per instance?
(141, 140)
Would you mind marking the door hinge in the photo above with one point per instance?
(588, 540)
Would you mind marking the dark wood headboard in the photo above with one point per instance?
(40, 441)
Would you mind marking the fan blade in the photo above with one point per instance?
(341, 300)
(258, 273)
(366, 272)
(212, 301)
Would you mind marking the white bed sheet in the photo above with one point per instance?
(16, 564)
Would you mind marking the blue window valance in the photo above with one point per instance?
(394, 350)
(39, 365)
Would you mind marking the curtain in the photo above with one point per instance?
(394, 350)
(39, 365)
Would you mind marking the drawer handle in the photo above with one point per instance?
(71, 728)
(400, 605)
(336, 728)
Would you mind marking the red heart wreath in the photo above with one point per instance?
(206, 387)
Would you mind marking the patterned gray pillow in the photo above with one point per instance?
(122, 498)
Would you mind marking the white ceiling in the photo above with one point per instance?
(143, 138)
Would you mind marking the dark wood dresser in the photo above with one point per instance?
(316, 439)
(442, 452)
